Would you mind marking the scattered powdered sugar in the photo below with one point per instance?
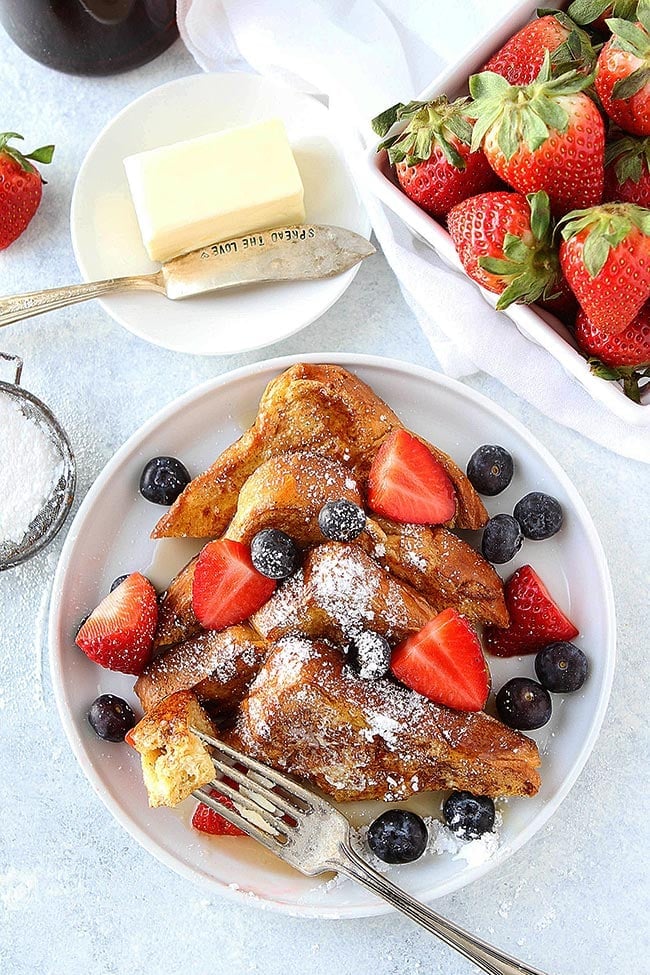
(474, 852)
(30, 470)
(382, 726)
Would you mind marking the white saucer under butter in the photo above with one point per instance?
(110, 535)
(106, 237)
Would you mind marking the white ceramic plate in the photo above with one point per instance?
(110, 536)
(538, 325)
(106, 237)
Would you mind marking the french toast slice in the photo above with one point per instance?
(218, 665)
(307, 714)
(176, 618)
(339, 592)
(443, 568)
(287, 492)
(175, 761)
(318, 408)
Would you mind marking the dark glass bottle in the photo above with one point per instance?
(92, 37)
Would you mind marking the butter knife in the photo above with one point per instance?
(305, 252)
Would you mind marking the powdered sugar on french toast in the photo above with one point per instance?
(343, 588)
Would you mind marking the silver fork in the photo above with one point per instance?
(306, 831)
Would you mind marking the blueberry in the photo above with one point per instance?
(110, 717)
(539, 515)
(468, 815)
(561, 667)
(524, 704)
(341, 521)
(274, 554)
(490, 469)
(398, 836)
(369, 655)
(502, 539)
(118, 582)
(163, 479)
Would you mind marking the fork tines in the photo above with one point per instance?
(266, 814)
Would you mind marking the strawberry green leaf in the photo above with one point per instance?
(631, 157)
(438, 122)
(627, 87)
(586, 11)
(631, 389)
(595, 253)
(629, 37)
(540, 215)
(42, 155)
(643, 13)
(383, 122)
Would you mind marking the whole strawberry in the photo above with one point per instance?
(547, 136)
(520, 59)
(596, 12)
(623, 72)
(504, 241)
(21, 187)
(627, 171)
(625, 356)
(433, 161)
(605, 257)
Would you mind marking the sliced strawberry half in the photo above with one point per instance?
(206, 820)
(535, 619)
(406, 483)
(227, 587)
(119, 633)
(445, 663)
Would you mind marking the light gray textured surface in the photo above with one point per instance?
(77, 895)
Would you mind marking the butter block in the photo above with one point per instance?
(218, 186)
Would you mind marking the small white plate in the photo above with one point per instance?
(106, 237)
(110, 536)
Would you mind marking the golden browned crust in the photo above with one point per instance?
(321, 409)
(287, 492)
(217, 665)
(441, 567)
(339, 592)
(309, 715)
(176, 619)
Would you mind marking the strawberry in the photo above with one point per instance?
(520, 59)
(406, 483)
(504, 241)
(605, 257)
(625, 356)
(445, 663)
(623, 72)
(627, 171)
(206, 820)
(119, 633)
(432, 158)
(547, 135)
(21, 187)
(535, 620)
(227, 588)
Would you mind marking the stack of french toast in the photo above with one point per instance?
(278, 685)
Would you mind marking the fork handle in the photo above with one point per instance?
(483, 955)
(16, 307)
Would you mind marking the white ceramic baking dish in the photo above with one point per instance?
(536, 324)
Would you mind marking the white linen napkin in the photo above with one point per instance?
(365, 55)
